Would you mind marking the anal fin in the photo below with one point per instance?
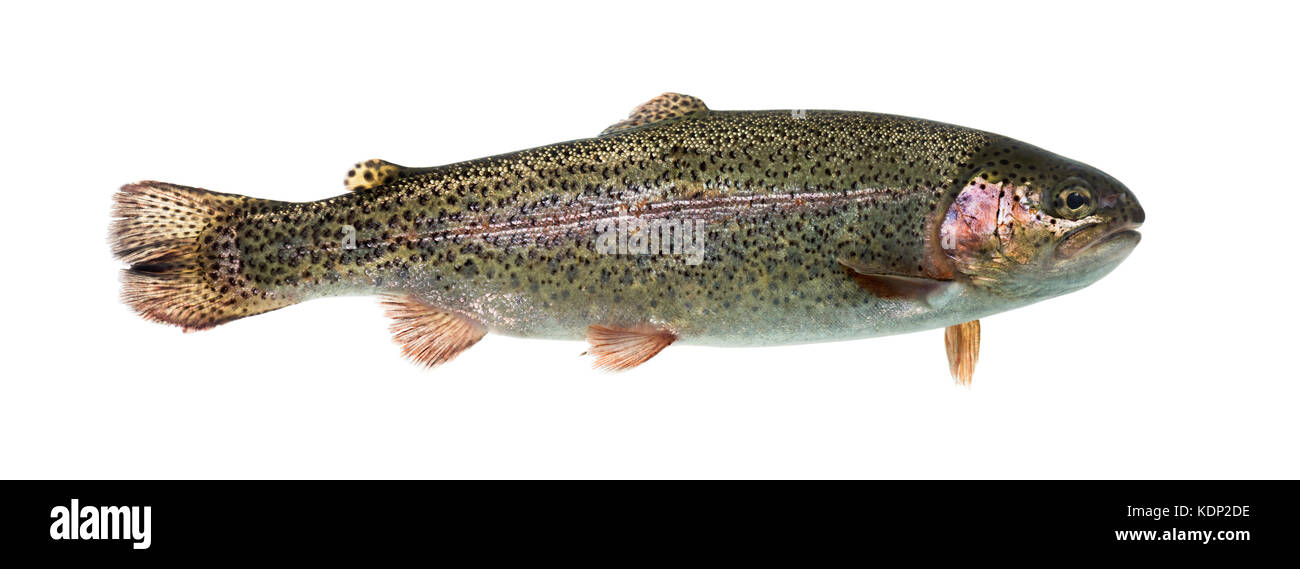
(617, 348)
(963, 344)
(428, 335)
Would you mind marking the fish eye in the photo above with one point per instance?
(1075, 201)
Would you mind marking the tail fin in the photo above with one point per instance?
(185, 264)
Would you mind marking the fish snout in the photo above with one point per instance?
(1136, 215)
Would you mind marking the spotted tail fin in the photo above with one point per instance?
(185, 264)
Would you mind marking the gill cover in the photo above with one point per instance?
(994, 228)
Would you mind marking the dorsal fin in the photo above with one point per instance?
(374, 173)
(618, 348)
(428, 335)
(664, 107)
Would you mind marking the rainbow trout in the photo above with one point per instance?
(679, 224)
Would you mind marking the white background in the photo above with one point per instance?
(1179, 364)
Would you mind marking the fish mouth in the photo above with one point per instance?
(1097, 236)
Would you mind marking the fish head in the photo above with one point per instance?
(1031, 224)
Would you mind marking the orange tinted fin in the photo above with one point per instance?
(179, 242)
(618, 349)
(963, 344)
(428, 335)
(933, 292)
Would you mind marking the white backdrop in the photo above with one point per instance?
(1179, 364)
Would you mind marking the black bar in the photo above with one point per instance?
(323, 519)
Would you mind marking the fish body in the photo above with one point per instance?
(728, 228)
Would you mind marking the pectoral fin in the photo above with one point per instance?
(933, 292)
(963, 344)
(428, 335)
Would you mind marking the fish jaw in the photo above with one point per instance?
(1096, 259)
